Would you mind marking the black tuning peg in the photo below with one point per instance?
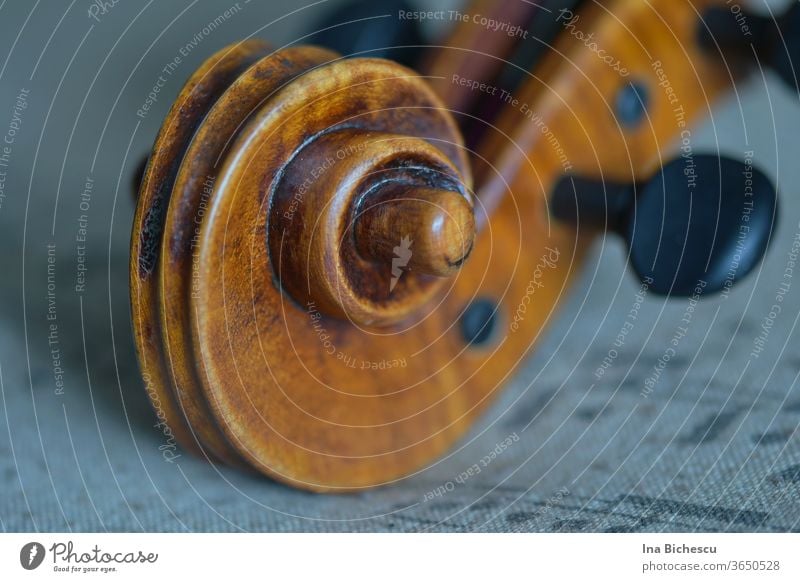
(744, 36)
(701, 222)
(382, 28)
(138, 175)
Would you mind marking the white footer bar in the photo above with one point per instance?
(388, 557)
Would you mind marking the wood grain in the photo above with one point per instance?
(269, 327)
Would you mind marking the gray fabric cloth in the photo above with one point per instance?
(713, 446)
(709, 449)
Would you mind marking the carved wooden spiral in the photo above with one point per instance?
(264, 300)
(321, 293)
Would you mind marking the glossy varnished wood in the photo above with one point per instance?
(441, 224)
(205, 85)
(317, 400)
(188, 208)
(273, 331)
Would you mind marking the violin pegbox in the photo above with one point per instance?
(328, 287)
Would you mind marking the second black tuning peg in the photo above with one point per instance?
(387, 29)
(704, 221)
(747, 38)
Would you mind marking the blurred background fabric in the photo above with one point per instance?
(713, 446)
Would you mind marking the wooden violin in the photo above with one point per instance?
(337, 261)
